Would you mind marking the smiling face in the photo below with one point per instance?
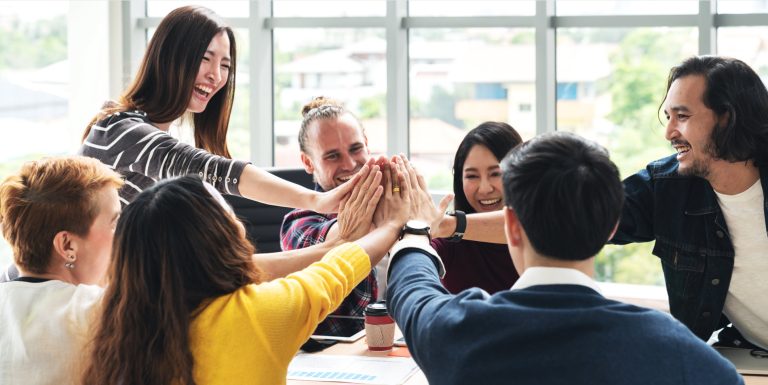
(337, 149)
(690, 125)
(213, 73)
(481, 178)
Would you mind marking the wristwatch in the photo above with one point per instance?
(417, 227)
(461, 225)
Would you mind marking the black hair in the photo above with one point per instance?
(497, 137)
(735, 90)
(566, 193)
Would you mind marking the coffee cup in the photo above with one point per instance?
(379, 327)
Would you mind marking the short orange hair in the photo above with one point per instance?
(47, 196)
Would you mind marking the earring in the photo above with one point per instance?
(71, 264)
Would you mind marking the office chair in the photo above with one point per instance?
(262, 222)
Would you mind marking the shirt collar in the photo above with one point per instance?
(533, 276)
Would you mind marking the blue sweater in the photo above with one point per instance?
(545, 334)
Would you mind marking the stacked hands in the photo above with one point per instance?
(387, 192)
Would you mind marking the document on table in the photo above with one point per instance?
(356, 369)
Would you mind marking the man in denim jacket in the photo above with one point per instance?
(705, 206)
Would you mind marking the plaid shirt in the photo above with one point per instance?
(304, 228)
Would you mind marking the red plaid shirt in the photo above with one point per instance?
(304, 228)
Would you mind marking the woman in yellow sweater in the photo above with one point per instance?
(185, 303)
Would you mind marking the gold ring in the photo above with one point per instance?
(396, 189)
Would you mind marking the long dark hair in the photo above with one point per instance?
(498, 137)
(165, 79)
(733, 88)
(175, 247)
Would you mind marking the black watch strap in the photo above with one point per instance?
(461, 225)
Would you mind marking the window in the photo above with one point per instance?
(444, 66)
(39, 115)
(749, 44)
(628, 70)
(348, 65)
(460, 78)
(466, 8)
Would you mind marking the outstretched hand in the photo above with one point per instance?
(394, 206)
(422, 206)
(356, 210)
(330, 201)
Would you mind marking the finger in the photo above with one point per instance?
(371, 189)
(422, 181)
(343, 203)
(374, 201)
(359, 184)
(412, 173)
(387, 179)
(445, 202)
(346, 188)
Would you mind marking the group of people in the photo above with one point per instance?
(132, 268)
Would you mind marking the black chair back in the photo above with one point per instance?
(262, 222)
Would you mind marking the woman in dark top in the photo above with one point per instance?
(477, 189)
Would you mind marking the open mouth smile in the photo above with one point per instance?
(203, 90)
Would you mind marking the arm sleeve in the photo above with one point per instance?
(704, 365)
(303, 228)
(636, 223)
(131, 145)
(418, 302)
(293, 306)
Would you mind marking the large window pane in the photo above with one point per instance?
(34, 87)
(610, 83)
(345, 64)
(225, 8)
(239, 136)
(471, 8)
(328, 8)
(460, 78)
(749, 44)
(742, 6)
(625, 7)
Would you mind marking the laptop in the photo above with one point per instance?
(747, 361)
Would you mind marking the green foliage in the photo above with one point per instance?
(637, 86)
(631, 263)
(33, 45)
(372, 107)
(441, 181)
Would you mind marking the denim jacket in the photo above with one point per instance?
(682, 214)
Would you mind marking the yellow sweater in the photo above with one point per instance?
(251, 335)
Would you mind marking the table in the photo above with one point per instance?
(358, 348)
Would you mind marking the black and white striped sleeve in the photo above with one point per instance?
(131, 145)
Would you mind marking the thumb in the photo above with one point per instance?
(445, 202)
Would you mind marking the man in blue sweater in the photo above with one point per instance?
(563, 199)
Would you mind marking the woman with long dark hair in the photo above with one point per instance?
(188, 69)
(477, 189)
(186, 305)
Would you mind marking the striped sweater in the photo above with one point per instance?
(128, 143)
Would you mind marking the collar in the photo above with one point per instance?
(534, 276)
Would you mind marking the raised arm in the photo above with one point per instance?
(260, 185)
(353, 222)
(481, 227)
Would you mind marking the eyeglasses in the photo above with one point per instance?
(758, 353)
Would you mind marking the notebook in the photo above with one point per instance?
(747, 361)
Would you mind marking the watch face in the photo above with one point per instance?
(417, 225)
